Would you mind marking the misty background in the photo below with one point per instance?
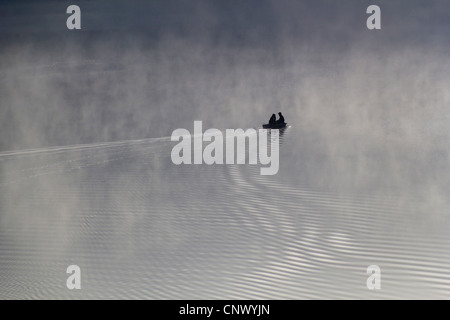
(363, 166)
(142, 69)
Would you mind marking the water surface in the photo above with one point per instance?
(141, 227)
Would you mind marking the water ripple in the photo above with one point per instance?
(140, 227)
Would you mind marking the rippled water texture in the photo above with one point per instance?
(141, 227)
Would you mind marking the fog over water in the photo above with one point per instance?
(86, 176)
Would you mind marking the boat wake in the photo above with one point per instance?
(141, 227)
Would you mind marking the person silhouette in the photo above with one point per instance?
(281, 119)
(273, 119)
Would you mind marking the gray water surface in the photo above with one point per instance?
(140, 227)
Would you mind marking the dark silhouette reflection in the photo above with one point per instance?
(281, 133)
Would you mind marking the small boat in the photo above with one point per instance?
(275, 125)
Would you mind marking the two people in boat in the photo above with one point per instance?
(274, 122)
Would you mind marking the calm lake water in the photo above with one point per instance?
(140, 227)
